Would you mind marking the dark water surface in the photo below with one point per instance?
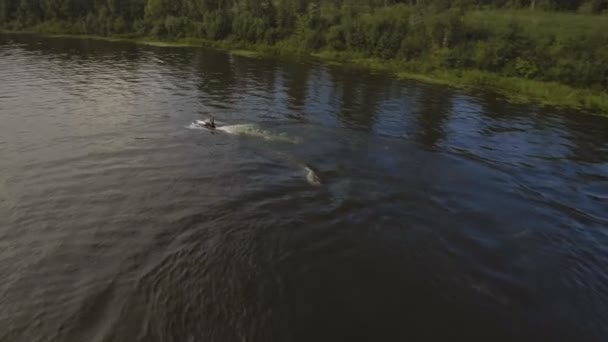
(440, 216)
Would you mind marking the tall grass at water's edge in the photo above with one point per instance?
(515, 88)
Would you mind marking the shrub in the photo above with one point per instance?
(216, 25)
(119, 25)
(248, 28)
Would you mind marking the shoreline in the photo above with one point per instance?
(515, 89)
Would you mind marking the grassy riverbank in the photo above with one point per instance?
(515, 88)
(546, 56)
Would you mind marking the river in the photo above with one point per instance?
(332, 204)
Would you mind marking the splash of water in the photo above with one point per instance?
(254, 131)
(251, 130)
(312, 177)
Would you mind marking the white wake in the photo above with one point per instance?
(251, 130)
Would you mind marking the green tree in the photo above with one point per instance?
(156, 9)
(3, 11)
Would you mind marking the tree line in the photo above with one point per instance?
(425, 35)
(114, 16)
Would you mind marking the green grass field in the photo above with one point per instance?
(563, 25)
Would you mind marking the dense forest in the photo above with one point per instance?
(564, 41)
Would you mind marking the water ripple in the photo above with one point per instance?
(439, 214)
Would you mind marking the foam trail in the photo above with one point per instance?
(254, 131)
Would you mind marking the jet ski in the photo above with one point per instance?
(208, 124)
